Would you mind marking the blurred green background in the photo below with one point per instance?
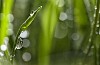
(59, 34)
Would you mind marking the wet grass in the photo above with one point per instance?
(65, 32)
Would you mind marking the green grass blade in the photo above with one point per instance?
(7, 7)
(23, 27)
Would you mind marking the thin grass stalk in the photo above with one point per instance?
(7, 7)
(93, 33)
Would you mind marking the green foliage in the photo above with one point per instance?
(4, 22)
(48, 23)
(64, 32)
(7, 7)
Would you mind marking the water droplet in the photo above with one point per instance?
(60, 3)
(97, 32)
(95, 7)
(26, 43)
(97, 25)
(3, 47)
(89, 39)
(1, 54)
(75, 36)
(26, 56)
(19, 43)
(10, 31)
(31, 14)
(97, 22)
(10, 17)
(10, 26)
(94, 15)
(63, 16)
(10, 59)
(6, 40)
(24, 34)
(12, 56)
(18, 46)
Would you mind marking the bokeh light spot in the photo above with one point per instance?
(26, 56)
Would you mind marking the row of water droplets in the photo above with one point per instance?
(24, 34)
(4, 45)
(95, 29)
(97, 54)
(97, 23)
(65, 19)
(22, 42)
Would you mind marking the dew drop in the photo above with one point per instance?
(60, 3)
(26, 43)
(6, 40)
(95, 7)
(10, 31)
(10, 17)
(98, 22)
(63, 16)
(12, 56)
(3, 47)
(94, 15)
(97, 32)
(24, 34)
(26, 56)
(1, 54)
(19, 43)
(89, 39)
(75, 36)
(31, 14)
(10, 59)
(97, 25)
(18, 46)
(10, 26)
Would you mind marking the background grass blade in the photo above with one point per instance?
(82, 22)
(7, 7)
(49, 20)
(6, 10)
